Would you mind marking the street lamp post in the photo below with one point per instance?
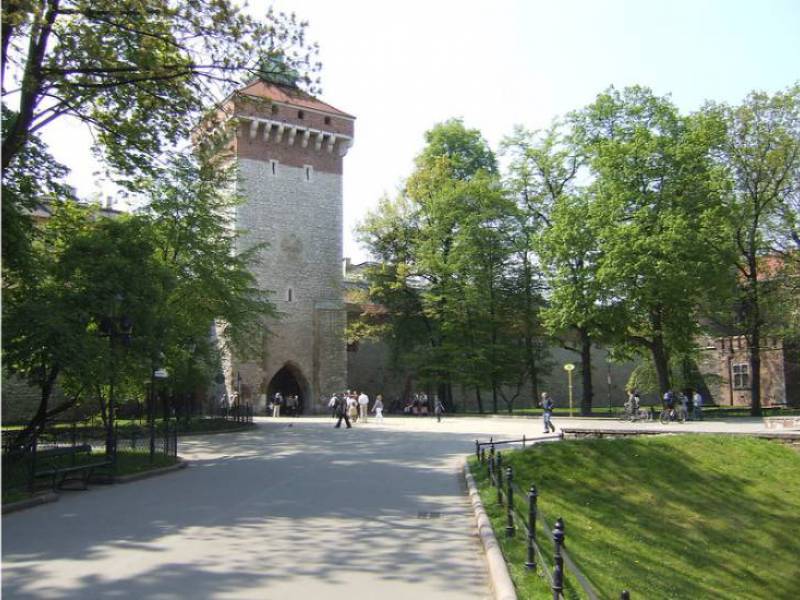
(569, 367)
(238, 395)
(114, 328)
(156, 374)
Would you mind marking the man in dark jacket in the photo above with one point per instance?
(341, 411)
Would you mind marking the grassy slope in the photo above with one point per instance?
(674, 516)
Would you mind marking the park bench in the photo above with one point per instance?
(49, 463)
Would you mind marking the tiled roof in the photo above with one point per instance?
(289, 95)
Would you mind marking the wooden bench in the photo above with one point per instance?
(49, 464)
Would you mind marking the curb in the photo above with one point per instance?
(31, 502)
(499, 578)
(181, 464)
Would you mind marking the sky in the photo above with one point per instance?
(402, 67)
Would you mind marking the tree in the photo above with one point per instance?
(761, 154)
(431, 241)
(659, 228)
(140, 72)
(61, 321)
(212, 282)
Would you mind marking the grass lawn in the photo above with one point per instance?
(669, 516)
(128, 463)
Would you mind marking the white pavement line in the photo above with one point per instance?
(499, 577)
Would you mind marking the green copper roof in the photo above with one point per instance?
(275, 70)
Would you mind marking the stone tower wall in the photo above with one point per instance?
(290, 173)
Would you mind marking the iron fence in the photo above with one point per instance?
(537, 561)
(82, 449)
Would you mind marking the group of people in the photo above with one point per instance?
(291, 402)
(351, 406)
(687, 399)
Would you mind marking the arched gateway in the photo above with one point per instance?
(289, 381)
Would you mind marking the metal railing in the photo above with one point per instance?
(20, 466)
(502, 479)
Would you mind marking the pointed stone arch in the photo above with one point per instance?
(289, 379)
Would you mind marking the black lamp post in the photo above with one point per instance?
(118, 330)
(156, 373)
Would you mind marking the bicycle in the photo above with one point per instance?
(640, 414)
(669, 415)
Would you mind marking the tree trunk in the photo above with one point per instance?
(661, 364)
(26, 437)
(479, 399)
(586, 371)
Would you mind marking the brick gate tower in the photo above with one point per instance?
(289, 147)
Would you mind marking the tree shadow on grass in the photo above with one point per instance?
(692, 527)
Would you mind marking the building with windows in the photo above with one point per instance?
(725, 363)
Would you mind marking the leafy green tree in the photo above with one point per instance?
(212, 282)
(64, 320)
(140, 72)
(659, 228)
(761, 155)
(440, 244)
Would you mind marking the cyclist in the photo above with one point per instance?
(669, 403)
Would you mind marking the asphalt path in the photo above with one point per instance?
(291, 509)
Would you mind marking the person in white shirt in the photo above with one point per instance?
(363, 406)
(332, 405)
(378, 408)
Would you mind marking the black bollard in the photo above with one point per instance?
(625, 595)
(509, 503)
(477, 450)
(558, 559)
(530, 564)
(498, 473)
(523, 440)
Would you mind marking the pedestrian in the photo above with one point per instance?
(277, 400)
(363, 406)
(378, 408)
(684, 404)
(697, 401)
(547, 406)
(341, 411)
(438, 409)
(352, 407)
(332, 405)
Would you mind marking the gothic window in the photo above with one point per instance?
(300, 114)
(741, 376)
(327, 120)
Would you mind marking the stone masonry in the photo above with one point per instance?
(289, 149)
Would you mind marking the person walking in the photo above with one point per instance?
(277, 400)
(352, 407)
(363, 406)
(332, 405)
(377, 408)
(438, 409)
(341, 411)
(547, 405)
(697, 401)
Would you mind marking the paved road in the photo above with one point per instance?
(289, 510)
